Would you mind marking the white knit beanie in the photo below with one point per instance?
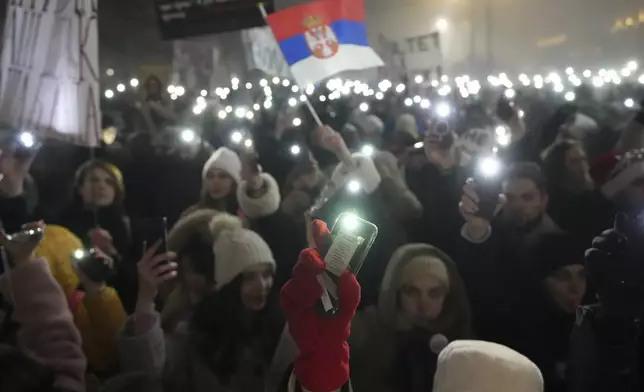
(474, 365)
(224, 159)
(236, 249)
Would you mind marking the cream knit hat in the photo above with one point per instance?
(236, 249)
(225, 159)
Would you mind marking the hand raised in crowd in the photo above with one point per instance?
(14, 169)
(331, 140)
(477, 227)
(20, 247)
(251, 170)
(102, 239)
(154, 269)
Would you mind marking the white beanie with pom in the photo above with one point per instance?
(236, 249)
(224, 159)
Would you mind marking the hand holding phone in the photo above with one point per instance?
(93, 264)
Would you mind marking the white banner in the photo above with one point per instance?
(264, 53)
(421, 53)
(49, 69)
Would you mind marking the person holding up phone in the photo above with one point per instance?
(504, 216)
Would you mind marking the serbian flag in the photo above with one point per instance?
(323, 38)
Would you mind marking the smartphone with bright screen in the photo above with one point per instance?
(92, 265)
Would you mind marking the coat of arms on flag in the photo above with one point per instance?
(323, 38)
(320, 37)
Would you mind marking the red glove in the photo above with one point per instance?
(323, 361)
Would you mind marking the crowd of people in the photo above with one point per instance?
(523, 279)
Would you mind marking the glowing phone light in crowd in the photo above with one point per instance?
(295, 150)
(368, 150)
(629, 103)
(236, 137)
(188, 136)
(364, 106)
(27, 139)
(354, 186)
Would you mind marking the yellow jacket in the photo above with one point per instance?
(98, 317)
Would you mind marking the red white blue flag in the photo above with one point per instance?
(323, 38)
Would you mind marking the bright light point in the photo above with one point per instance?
(249, 85)
(236, 137)
(256, 107)
(263, 83)
(500, 130)
(570, 96)
(134, 82)
(559, 88)
(629, 103)
(229, 109)
(179, 90)
(570, 71)
(418, 79)
(248, 143)
(443, 110)
(641, 79)
(419, 145)
(222, 114)
(367, 150)
(302, 98)
(297, 122)
(598, 81)
(379, 95)
(364, 107)
(110, 72)
(295, 88)
(188, 135)
(250, 115)
(504, 140)
(489, 166)
(425, 104)
(197, 110)
(442, 24)
(27, 139)
(286, 82)
(292, 102)
(276, 80)
(309, 89)
(444, 90)
(109, 94)
(510, 93)
(417, 99)
(587, 73)
(79, 254)
(409, 101)
(322, 98)
(295, 150)
(234, 81)
(400, 88)
(173, 96)
(521, 113)
(354, 186)
(350, 222)
(632, 65)
(268, 104)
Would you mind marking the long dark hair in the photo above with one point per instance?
(221, 327)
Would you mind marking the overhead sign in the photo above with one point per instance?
(188, 18)
(49, 69)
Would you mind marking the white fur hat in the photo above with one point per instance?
(363, 171)
(225, 159)
(475, 365)
(236, 249)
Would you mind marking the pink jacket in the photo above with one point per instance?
(47, 327)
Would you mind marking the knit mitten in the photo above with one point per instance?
(323, 361)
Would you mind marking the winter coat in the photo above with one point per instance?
(172, 358)
(388, 354)
(47, 330)
(97, 317)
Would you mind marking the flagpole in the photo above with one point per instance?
(316, 118)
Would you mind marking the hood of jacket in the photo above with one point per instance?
(472, 365)
(455, 319)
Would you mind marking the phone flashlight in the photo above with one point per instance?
(236, 137)
(295, 150)
(354, 186)
(488, 185)
(248, 143)
(419, 145)
(27, 139)
(188, 136)
(443, 110)
(92, 264)
(367, 150)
